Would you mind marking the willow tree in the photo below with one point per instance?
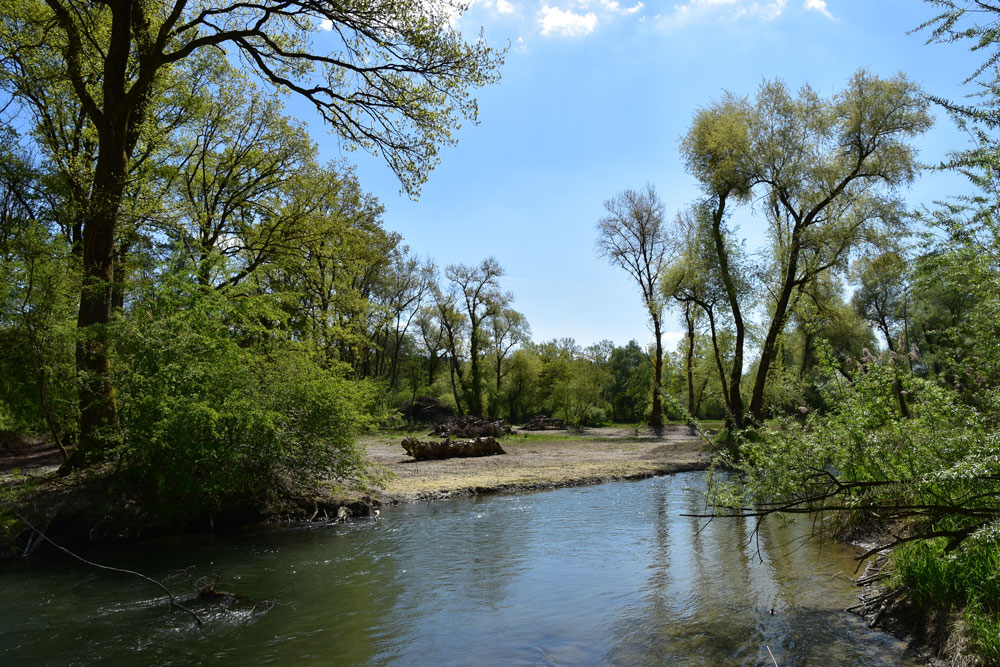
(825, 173)
(693, 279)
(633, 237)
(389, 76)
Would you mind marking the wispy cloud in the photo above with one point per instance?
(693, 10)
(616, 8)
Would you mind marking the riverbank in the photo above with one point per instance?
(74, 509)
(540, 460)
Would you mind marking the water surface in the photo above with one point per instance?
(610, 574)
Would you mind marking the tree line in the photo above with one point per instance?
(191, 301)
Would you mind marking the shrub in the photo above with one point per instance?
(218, 417)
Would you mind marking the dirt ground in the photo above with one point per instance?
(33, 456)
(540, 459)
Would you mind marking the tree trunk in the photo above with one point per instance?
(656, 413)
(734, 402)
(718, 355)
(98, 410)
(431, 366)
(897, 385)
(118, 116)
(454, 386)
(806, 350)
(769, 348)
(689, 319)
(476, 397)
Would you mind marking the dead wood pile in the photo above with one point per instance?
(543, 423)
(471, 427)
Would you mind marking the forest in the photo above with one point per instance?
(203, 317)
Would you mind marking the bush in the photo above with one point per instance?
(218, 422)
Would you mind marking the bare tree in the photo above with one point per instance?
(633, 237)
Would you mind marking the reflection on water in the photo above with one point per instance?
(609, 574)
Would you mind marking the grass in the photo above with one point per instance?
(967, 578)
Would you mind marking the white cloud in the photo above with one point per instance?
(505, 7)
(326, 24)
(616, 8)
(555, 21)
(818, 6)
(691, 10)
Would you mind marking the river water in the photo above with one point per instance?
(609, 574)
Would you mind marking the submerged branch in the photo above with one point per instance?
(43, 536)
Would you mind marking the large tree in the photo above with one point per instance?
(633, 236)
(824, 172)
(390, 76)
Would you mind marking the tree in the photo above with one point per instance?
(432, 336)
(508, 329)
(408, 283)
(330, 267)
(452, 323)
(694, 278)
(522, 378)
(881, 300)
(630, 377)
(242, 192)
(632, 236)
(825, 172)
(477, 289)
(395, 82)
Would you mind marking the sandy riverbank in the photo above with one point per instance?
(538, 460)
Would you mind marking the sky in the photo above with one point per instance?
(594, 98)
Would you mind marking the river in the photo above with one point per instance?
(609, 574)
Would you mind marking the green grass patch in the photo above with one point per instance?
(968, 577)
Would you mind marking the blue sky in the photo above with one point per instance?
(595, 97)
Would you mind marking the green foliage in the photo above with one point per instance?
(864, 440)
(37, 319)
(933, 477)
(631, 375)
(218, 413)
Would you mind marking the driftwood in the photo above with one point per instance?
(471, 427)
(543, 423)
(448, 448)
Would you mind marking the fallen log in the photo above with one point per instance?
(423, 450)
